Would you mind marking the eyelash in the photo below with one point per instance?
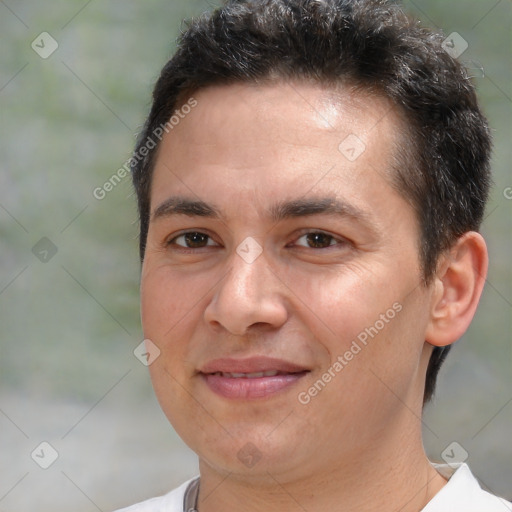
(189, 250)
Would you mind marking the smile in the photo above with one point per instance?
(253, 375)
(250, 385)
(253, 378)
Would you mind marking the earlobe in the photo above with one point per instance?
(457, 289)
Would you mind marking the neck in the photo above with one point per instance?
(392, 474)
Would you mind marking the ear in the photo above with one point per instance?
(456, 290)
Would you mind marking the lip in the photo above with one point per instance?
(251, 365)
(245, 388)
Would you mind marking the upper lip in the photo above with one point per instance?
(251, 365)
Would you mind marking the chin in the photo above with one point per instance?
(251, 453)
(249, 461)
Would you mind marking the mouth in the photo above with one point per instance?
(253, 375)
(253, 378)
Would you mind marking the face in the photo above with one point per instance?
(281, 280)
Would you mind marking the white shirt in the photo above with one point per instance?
(462, 493)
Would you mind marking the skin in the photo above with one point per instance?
(352, 447)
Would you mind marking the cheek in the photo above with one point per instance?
(375, 325)
(343, 304)
(167, 299)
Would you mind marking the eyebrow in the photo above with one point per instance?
(302, 207)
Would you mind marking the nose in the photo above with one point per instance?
(249, 296)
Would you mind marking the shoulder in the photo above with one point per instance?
(170, 502)
(463, 493)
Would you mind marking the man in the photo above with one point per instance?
(310, 180)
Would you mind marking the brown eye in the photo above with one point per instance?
(318, 240)
(191, 239)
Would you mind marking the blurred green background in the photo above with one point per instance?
(70, 320)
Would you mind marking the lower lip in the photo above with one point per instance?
(243, 388)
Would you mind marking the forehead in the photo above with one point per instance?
(284, 107)
(263, 139)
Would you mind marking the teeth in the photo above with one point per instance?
(253, 375)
